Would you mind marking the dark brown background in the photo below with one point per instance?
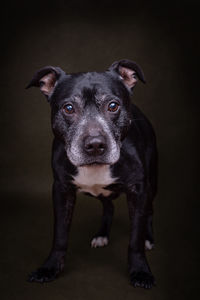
(162, 38)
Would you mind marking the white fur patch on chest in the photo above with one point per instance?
(93, 179)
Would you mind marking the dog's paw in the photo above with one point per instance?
(148, 245)
(142, 279)
(43, 275)
(99, 241)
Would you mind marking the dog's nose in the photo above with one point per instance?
(95, 145)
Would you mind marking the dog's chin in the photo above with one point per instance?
(94, 164)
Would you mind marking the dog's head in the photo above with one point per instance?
(90, 111)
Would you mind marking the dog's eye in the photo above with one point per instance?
(68, 108)
(113, 106)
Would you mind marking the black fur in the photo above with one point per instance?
(135, 168)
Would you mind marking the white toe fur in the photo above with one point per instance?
(99, 242)
(148, 245)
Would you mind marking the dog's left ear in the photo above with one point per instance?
(128, 71)
(46, 79)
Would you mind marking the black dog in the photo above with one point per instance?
(103, 146)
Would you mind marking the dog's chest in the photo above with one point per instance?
(94, 179)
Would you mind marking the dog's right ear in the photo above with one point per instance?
(46, 79)
(129, 72)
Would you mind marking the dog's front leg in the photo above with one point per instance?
(63, 200)
(140, 273)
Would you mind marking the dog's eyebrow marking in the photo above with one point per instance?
(75, 98)
(103, 98)
(99, 98)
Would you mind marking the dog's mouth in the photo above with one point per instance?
(81, 159)
(95, 163)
